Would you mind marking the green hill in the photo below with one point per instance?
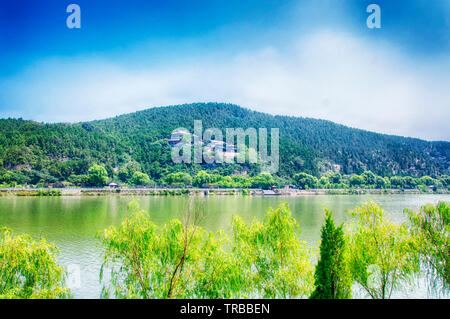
(53, 152)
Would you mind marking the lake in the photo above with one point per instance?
(72, 222)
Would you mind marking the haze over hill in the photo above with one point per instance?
(55, 151)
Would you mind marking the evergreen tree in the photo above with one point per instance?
(332, 278)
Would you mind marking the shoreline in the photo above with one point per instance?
(202, 192)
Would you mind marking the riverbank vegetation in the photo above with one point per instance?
(98, 177)
(39, 192)
(260, 259)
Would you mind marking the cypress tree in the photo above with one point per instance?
(332, 278)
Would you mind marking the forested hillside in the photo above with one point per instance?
(139, 141)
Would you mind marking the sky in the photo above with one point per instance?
(311, 58)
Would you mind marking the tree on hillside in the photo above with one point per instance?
(356, 180)
(397, 182)
(332, 277)
(97, 175)
(369, 178)
(445, 180)
(335, 178)
(140, 178)
(264, 181)
(380, 182)
(179, 178)
(409, 182)
(5, 176)
(123, 174)
(305, 181)
(323, 181)
(426, 180)
(126, 171)
(204, 178)
(78, 180)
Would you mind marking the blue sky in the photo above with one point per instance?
(314, 58)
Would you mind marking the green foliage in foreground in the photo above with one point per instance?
(383, 254)
(28, 269)
(258, 260)
(181, 260)
(332, 276)
(431, 227)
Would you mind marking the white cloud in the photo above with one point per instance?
(327, 75)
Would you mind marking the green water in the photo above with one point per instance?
(72, 222)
